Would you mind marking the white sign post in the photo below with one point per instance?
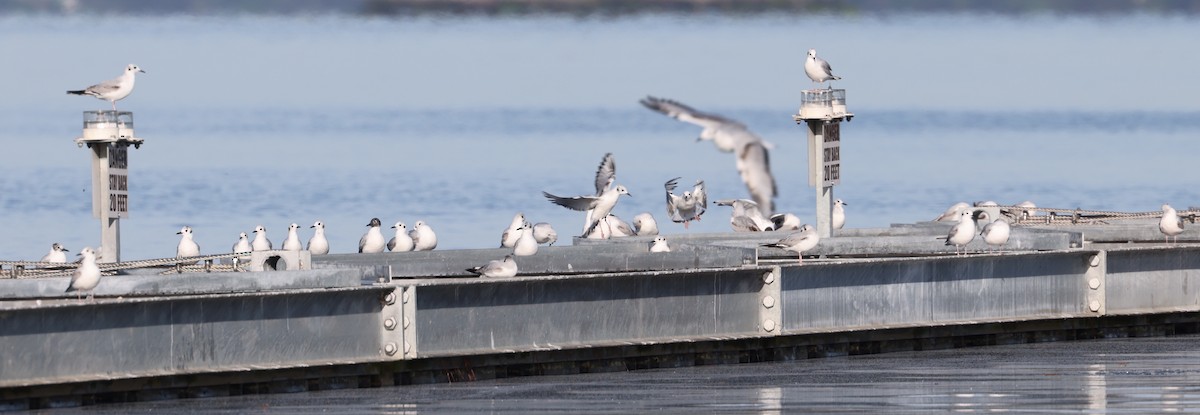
(109, 135)
(823, 110)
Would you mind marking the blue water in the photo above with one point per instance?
(463, 123)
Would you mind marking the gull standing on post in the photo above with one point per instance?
(753, 161)
(996, 234)
(261, 243)
(508, 239)
(645, 225)
(599, 205)
(817, 69)
(292, 243)
(401, 242)
(544, 233)
(424, 239)
(1170, 224)
(318, 244)
(686, 208)
(503, 268)
(115, 89)
(659, 244)
(806, 239)
(56, 254)
(187, 246)
(372, 242)
(839, 214)
(963, 232)
(87, 276)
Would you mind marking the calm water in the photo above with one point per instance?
(1118, 376)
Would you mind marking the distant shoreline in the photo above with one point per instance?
(602, 8)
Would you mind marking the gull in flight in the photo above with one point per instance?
(1170, 224)
(600, 205)
(318, 244)
(502, 268)
(115, 89)
(688, 207)
(372, 242)
(817, 69)
(753, 161)
(659, 244)
(87, 276)
(799, 242)
(56, 254)
(400, 242)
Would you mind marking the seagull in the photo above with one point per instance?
(751, 211)
(261, 243)
(839, 214)
(799, 242)
(372, 242)
(1029, 210)
(87, 276)
(951, 213)
(56, 254)
(606, 175)
(644, 224)
(996, 234)
(618, 228)
(1170, 224)
(503, 268)
(242, 245)
(401, 242)
(115, 89)
(688, 207)
(292, 243)
(785, 222)
(423, 237)
(599, 205)
(509, 238)
(659, 244)
(318, 244)
(818, 69)
(526, 244)
(753, 160)
(544, 233)
(962, 232)
(187, 246)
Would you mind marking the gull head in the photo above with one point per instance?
(260, 229)
(812, 53)
(187, 230)
(375, 223)
(660, 239)
(242, 235)
(1166, 207)
(318, 224)
(58, 247)
(293, 227)
(621, 190)
(399, 225)
(131, 68)
(839, 202)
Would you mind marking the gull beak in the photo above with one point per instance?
(66, 250)
(310, 227)
(141, 70)
(698, 139)
(179, 233)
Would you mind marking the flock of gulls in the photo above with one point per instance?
(755, 214)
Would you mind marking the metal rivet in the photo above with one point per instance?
(407, 347)
(768, 301)
(389, 323)
(769, 277)
(1094, 305)
(405, 297)
(391, 298)
(406, 322)
(1094, 261)
(390, 349)
(1094, 283)
(769, 325)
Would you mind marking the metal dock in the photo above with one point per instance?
(345, 321)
